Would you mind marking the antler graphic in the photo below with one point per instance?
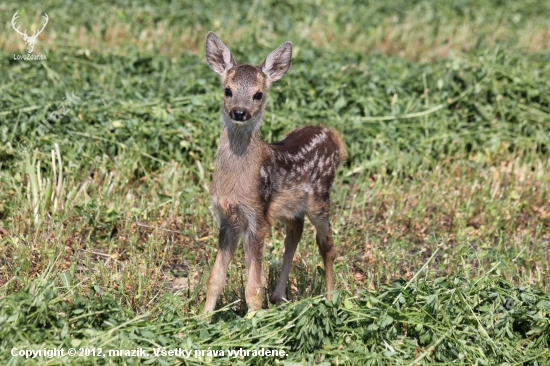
(29, 40)
(45, 16)
(13, 19)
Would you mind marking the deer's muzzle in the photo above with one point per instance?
(240, 115)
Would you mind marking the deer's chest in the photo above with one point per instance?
(235, 190)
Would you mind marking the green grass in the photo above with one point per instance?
(446, 320)
(445, 112)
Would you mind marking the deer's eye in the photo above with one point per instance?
(228, 92)
(257, 96)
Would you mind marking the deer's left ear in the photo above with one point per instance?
(277, 63)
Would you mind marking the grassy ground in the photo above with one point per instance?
(445, 111)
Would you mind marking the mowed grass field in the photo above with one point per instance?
(441, 214)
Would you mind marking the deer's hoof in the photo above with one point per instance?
(275, 299)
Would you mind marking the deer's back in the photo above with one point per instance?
(301, 171)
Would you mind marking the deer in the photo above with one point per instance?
(30, 41)
(256, 183)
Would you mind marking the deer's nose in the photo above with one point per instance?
(239, 115)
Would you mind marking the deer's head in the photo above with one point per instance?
(29, 40)
(245, 86)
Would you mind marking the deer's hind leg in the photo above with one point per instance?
(320, 219)
(294, 229)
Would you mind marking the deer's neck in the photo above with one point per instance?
(239, 147)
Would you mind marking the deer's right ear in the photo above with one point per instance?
(218, 55)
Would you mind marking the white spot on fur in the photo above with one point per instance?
(308, 166)
(314, 142)
(318, 189)
(328, 172)
(313, 176)
(321, 164)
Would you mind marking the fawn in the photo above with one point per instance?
(256, 182)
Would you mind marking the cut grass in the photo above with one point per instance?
(483, 321)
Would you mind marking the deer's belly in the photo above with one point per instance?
(288, 204)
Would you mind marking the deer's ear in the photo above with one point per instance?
(218, 55)
(277, 63)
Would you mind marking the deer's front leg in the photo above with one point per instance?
(228, 240)
(255, 285)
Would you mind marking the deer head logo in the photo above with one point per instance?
(29, 40)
